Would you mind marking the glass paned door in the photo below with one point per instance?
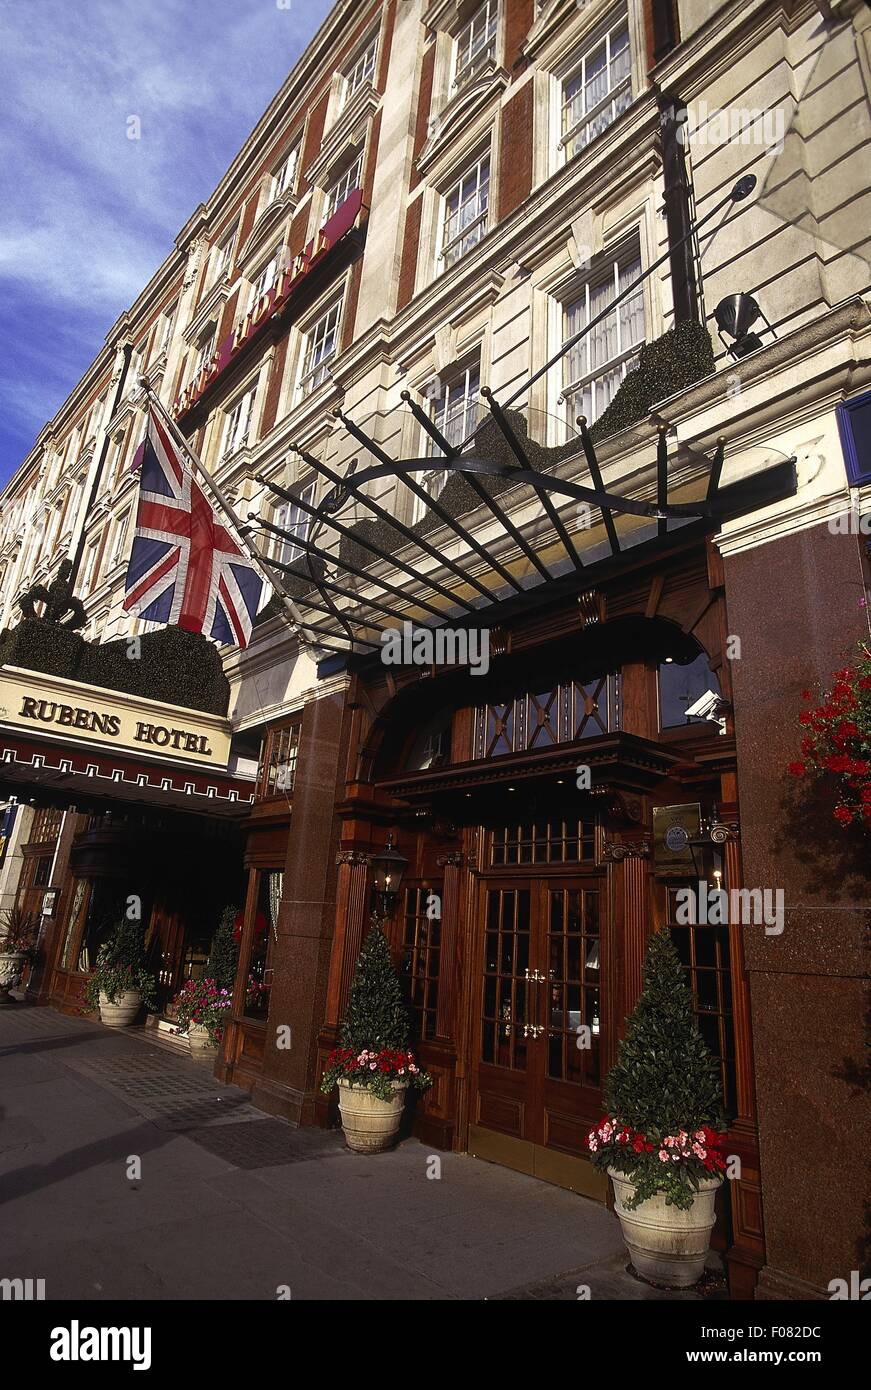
(540, 1008)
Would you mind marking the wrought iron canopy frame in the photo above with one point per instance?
(480, 600)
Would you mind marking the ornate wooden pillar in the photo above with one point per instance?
(452, 865)
(352, 913)
(623, 956)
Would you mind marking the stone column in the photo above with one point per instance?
(307, 916)
(808, 982)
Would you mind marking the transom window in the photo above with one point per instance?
(278, 756)
(421, 952)
(595, 367)
(465, 212)
(237, 423)
(552, 840)
(321, 346)
(294, 519)
(476, 41)
(598, 88)
(362, 71)
(572, 711)
(343, 186)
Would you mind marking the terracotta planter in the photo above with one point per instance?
(370, 1124)
(122, 1013)
(11, 966)
(667, 1245)
(202, 1048)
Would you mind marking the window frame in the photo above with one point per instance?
(280, 180)
(461, 73)
(614, 260)
(445, 243)
(230, 444)
(858, 473)
(575, 64)
(351, 83)
(306, 382)
(286, 551)
(332, 203)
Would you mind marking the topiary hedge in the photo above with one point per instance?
(673, 362)
(174, 667)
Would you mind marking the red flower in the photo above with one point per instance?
(843, 814)
(806, 695)
(797, 769)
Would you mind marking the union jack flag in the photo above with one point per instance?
(185, 568)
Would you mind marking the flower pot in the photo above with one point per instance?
(122, 1013)
(202, 1048)
(11, 966)
(667, 1245)
(370, 1124)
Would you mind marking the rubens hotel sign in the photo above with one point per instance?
(36, 704)
(270, 303)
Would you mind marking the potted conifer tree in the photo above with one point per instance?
(373, 1068)
(661, 1140)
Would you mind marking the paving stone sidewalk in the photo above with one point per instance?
(233, 1203)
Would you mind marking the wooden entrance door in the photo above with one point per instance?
(539, 1022)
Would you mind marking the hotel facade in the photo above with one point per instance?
(620, 251)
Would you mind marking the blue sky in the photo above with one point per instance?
(87, 215)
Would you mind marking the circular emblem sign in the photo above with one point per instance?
(676, 838)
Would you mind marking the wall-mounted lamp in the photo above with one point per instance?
(734, 315)
(387, 870)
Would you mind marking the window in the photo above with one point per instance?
(465, 212)
(421, 949)
(454, 411)
(546, 841)
(343, 186)
(363, 70)
(598, 88)
(476, 42)
(205, 349)
(278, 762)
(595, 366)
(265, 278)
(264, 933)
(566, 713)
(854, 424)
(118, 540)
(89, 568)
(680, 687)
(221, 257)
(704, 953)
(284, 175)
(167, 323)
(321, 344)
(295, 520)
(237, 423)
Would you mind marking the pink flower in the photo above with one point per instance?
(663, 1156)
(699, 1151)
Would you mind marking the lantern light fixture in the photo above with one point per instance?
(388, 868)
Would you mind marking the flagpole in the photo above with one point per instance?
(226, 504)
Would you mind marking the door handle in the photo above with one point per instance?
(535, 977)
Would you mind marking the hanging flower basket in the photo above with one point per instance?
(836, 741)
